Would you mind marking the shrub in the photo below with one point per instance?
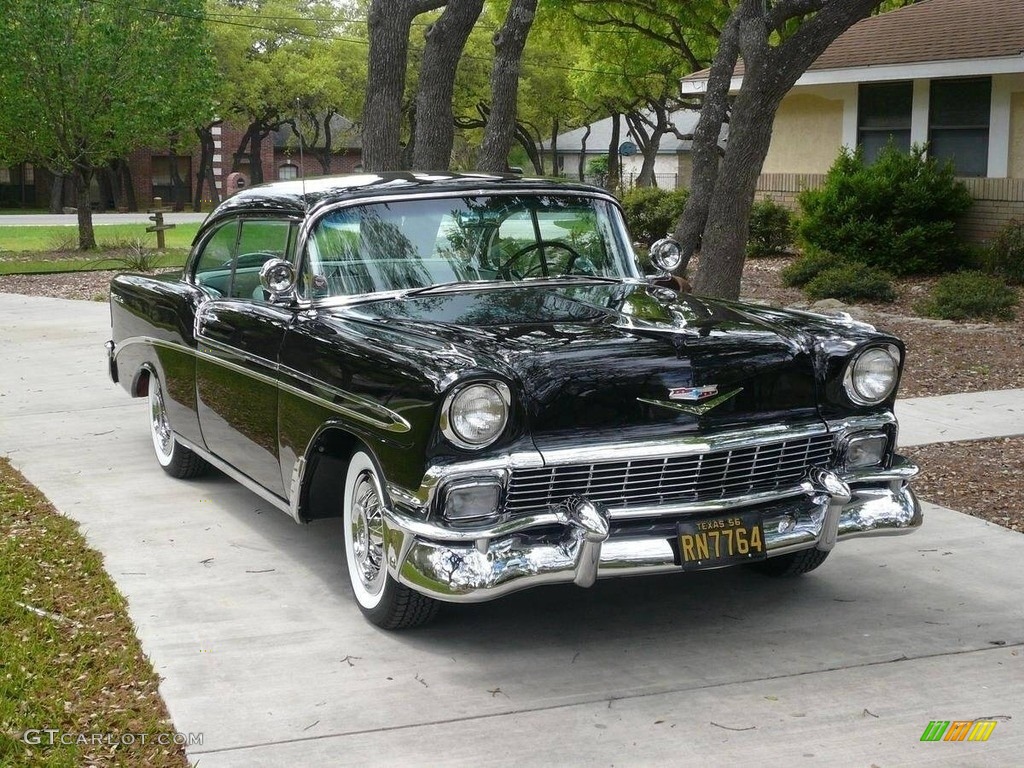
(851, 282)
(808, 266)
(771, 229)
(970, 296)
(652, 213)
(897, 213)
(1005, 257)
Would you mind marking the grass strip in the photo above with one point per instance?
(42, 264)
(58, 238)
(69, 657)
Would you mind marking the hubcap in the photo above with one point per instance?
(162, 435)
(367, 533)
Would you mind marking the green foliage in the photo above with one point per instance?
(95, 80)
(771, 229)
(851, 281)
(652, 213)
(897, 213)
(1005, 257)
(970, 296)
(808, 266)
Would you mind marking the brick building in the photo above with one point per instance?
(23, 186)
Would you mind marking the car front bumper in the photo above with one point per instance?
(579, 541)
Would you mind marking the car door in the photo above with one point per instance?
(239, 337)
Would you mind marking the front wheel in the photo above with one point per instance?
(382, 600)
(793, 564)
(176, 460)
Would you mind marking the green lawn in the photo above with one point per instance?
(107, 235)
(69, 656)
(34, 250)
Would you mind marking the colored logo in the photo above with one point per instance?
(693, 394)
(697, 408)
(958, 730)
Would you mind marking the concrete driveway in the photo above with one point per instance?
(248, 619)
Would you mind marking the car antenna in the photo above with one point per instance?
(302, 159)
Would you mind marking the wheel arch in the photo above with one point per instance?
(326, 463)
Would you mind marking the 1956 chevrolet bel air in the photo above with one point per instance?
(472, 372)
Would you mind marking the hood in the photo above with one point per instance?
(623, 361)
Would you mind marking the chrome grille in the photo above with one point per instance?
(673, 479)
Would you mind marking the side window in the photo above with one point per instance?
(260, 241)
(232, 258)
(213, 269)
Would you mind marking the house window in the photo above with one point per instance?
(958, 123)
(883, 115)
(288, 171)
(5, 175)
(28, 174)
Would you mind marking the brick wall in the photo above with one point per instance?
(342, 162)
(996, 201)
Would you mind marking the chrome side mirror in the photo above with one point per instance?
(666, 255)
(277, 277)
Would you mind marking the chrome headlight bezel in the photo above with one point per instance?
(854, 375)
(501, 397)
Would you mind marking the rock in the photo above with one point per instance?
(828, 304)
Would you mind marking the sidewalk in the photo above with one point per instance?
(98, 219)
(249, 621)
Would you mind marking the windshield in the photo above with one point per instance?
(414, 244)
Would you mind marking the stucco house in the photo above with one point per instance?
(949, 73)
(672, 167)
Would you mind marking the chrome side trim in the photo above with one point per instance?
(371, 413)
(238, 477)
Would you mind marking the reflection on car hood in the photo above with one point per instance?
(619, 358)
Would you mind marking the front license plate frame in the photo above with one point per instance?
(721, 540)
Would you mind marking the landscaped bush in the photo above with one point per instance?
(771, 229)
(970, 296)
(897, 213)
(852, 281)
(1005, 257)
(808, 266)
(652, 213)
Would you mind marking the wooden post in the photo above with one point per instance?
(158, 223)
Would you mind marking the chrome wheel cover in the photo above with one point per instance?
(366, 533)
(163, 437)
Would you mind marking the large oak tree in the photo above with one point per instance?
(84, 82)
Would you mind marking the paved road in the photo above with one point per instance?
(248, 619)
(98, 219)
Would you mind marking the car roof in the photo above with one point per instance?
(302, 196)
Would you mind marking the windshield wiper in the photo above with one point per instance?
(441, 287)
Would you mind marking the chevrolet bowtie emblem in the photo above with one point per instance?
(697, 408)
(693, 394)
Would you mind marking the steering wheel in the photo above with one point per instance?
(506, 268)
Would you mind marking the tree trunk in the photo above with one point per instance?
(581, 167)
(556, 169)
(704, 150)
(770, 72)
(127, 185)
(57, 192)
(178, 190)
(326, 153)
(256, 154)
(389, 23)
(614, 171)
(205, 173)
(435, 119)
(509, 42)
(86, 235)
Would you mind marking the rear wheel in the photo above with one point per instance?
(176, 460)
(793, 564)
(382, 600)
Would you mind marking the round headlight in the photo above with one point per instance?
(475, 416)
(871, 376)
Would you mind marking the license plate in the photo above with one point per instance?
(717, 541)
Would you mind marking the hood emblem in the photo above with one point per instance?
(698, 405)
(693, 394)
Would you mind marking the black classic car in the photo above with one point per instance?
(472, 372)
